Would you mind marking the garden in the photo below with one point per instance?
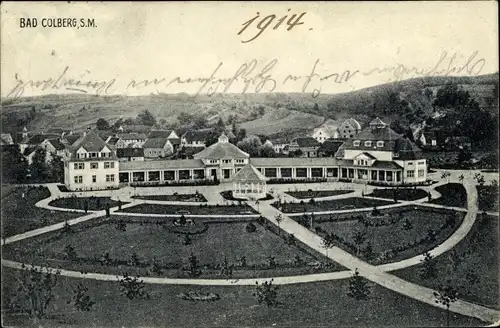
(208, 248)
(488, 197)
(175, 197)
(203, 209)
(472, 267)
(86, 203)
(386, 236)
(19, 213)
(89, 303)
(228, 195)
(317, 193)
(329, 205)
(408, 194)
(452, 194)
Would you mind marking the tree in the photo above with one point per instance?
(250, 145)
(220, 124)
(132, 287)
(39, 168)
(446, 175)
(193, 268)
(102, 124)
(358, 287)
(80, 300)
(267, 293)
(226, 269)
(461, 178)
(36, 289)
(407, 225)
(14, 165)
(446, 295)
(359, 238)
(428, 269)
(146, 118)
(328, 242)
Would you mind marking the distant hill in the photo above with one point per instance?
(275, 113)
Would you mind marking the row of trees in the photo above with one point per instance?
(15, 167)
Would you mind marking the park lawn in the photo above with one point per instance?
(78, 203)
(303, 194)
(190, 209)
(488, 198)
(331, 205)
(452, 194)
(408, 194)
(321, 304)
(480, 256)
(175, 197)
(388, 237)
(20, 214)
(154, 242)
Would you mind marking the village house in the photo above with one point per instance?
(54, 146)
(349, 128)
(325, 131)
(279, 145)
(304, 147)
(329, 148)
(130, 154)
(171, 135)
(195, 138)
(128, 139)
(157, 148)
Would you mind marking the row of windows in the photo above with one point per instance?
(411, 174)
(368, 143)
(227, 161)
(94, 165)
(93, 155)
(109, 178)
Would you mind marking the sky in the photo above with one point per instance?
(361, 42)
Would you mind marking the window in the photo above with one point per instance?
(82, 155)
(106, 165)
(93, 155)
(368, 143)
(94, 166)
(94, 178)
(421, 173)
(213, 161)
(112, 165)
(421, 163)
(105, 155)
(110, 177)
(226, 161)
(380, 144)
(396, 155)
(78, 179)
(239, 161)
(356, 143)
(79, 166)
(410, 163)
(410, 174)
(109, 165)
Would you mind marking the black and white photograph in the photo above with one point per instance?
(249, 164)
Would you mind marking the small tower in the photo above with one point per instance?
(377, 123)
(223, 138)
(25, 134)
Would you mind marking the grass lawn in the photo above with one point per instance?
(190, 209)
(479, 256)
(175, 197)
(452, 194)
(210, 243)
(78, 203)
(228, 195)
(19, 213)
(323, 304)
(401, 193)
(488, 198)
(331, 205)
(317, 193)
(395, 232)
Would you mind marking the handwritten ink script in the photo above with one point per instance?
(251, 76)
(264, 23)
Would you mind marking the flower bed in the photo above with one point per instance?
(81, 203)
(202, 209)
(452, 194)
(330, 205)
(228, 195)
(408, 194)
(317, 193)
(294, 180)
(175, 197)
(202, 182)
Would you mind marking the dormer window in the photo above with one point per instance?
(380, 144)
(356, 143)
(396, 155)
(368, 143)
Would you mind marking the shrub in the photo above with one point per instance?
(250, 227)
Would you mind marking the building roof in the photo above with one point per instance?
(386, 165)
(56, 144)
(368, 155)
(377, 122)
(161, 165)
(137, 128)
(71, 139)
(155, 142)
(130, 152)
(191, 150)
(407, 149)
(131, 136)
(221, 149)
(279, 141)
(6, 138)
(159, 133)
(248, 174)
(175, 141)
(197, 135)
(293, 161)
(112, 141)
(90, 141)
(58, 130)
(304, 142)
(352, 122)
(39, 138)
(30, 150)
(330, 146)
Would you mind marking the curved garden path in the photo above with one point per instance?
(377, 274)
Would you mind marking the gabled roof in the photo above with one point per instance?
(112, 141)
(221, 149)
(137, 128)
(377, 122)
(131, 136)
(39, 138)
(303, 142)
(407, 149)
(159, 133)
(161, 165)
(175, 141)
(56, 144)
(197, 135)
(370, 156)
(279, 141)
(130, 152)
(351, 122)
(91, 142)
(248, 174)
(71, 139)
(386, 165)
(155, 143)
(330, 146)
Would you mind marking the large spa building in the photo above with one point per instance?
(375, 154)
